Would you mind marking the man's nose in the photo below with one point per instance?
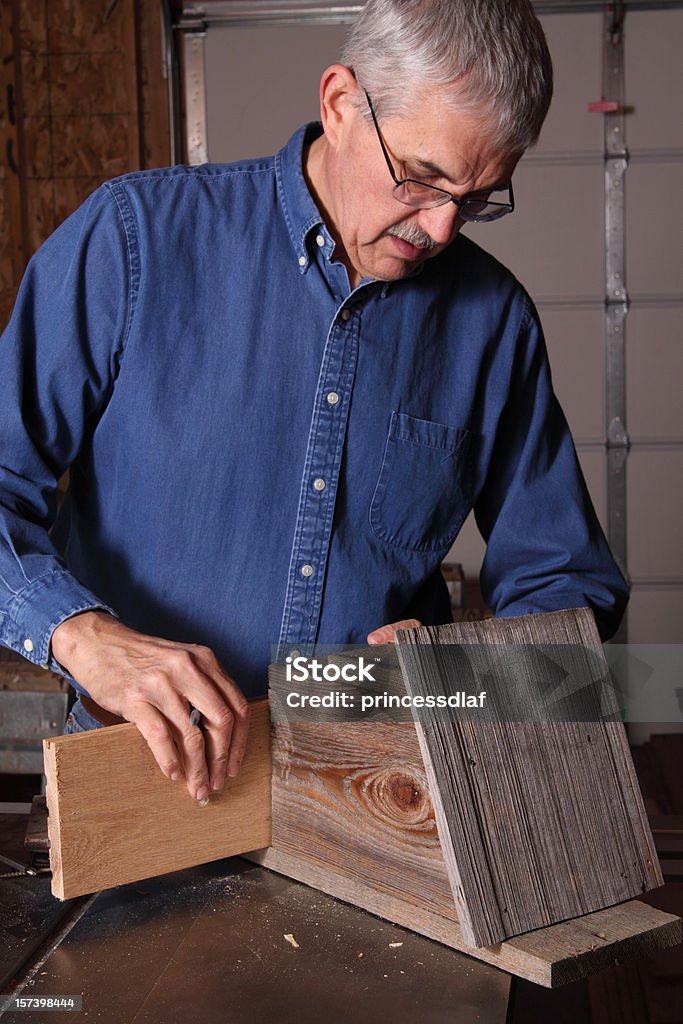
(440, 222)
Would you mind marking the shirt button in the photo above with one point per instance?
(294, 653)
(320, 240)
(28, 644)
(319, 484)
(346, 313)
(302, 261)
(306, 570)
(332, 398)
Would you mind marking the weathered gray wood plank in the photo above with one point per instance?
(539, 821)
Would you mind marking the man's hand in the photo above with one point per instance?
(385, 634)
(152, 682)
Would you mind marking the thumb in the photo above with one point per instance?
(385, 634)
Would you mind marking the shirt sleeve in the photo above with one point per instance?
(545, 547)
(59, 358)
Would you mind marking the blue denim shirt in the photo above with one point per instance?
(257, 452)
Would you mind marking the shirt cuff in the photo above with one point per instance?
(34, 614)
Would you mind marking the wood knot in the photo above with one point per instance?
(404, 791)
(401, 796)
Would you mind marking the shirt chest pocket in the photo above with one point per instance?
(422, 494)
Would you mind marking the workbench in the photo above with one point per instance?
(233, 943)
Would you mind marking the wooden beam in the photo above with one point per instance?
(114, 818)
(552, 956)
(153, 78)
(539, 820)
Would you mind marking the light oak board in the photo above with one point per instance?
(114, 818)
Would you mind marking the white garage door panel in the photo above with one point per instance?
(654, 79)
(262, 83)
(654, 228)
(655, 543)
(654, 356)
(655, 616)
(554, 239)
(575, 41)
(469, 547)
(574, 339)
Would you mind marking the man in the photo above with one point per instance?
(281, 385)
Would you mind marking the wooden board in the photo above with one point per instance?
(539, 821)
(352, 808)
(353, 816)
(353, 796)
(114, 818)
(16, 673)
(551, 957)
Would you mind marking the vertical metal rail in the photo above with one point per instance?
(171, 73)
(616, 296)
(196, 142)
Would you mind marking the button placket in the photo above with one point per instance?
(319, 484)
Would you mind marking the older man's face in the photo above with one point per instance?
(380, 237)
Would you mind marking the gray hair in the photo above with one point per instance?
(492, 53)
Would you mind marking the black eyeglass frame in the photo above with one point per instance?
(443, 195)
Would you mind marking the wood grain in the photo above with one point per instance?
(87, 89)
(539, 821)
(552, 956)
(353, 816)
(353, 811)
(16, 673)
(114, 818)
(356, 794)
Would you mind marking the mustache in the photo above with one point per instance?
(413, 234)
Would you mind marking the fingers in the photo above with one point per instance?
(217, 752)
(214, 750)
(226, 738)
(177, 746)
(190, 741)
(155, 729)
(238, 746)
(225, 718)
(217, 727)
(152, 682)
(385, 634)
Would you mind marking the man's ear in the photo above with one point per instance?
(338, 88)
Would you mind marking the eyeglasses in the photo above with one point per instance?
(412, 192)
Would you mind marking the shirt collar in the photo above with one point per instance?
(301, 213)
(302, 216)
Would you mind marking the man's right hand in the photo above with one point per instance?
(153, 682)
